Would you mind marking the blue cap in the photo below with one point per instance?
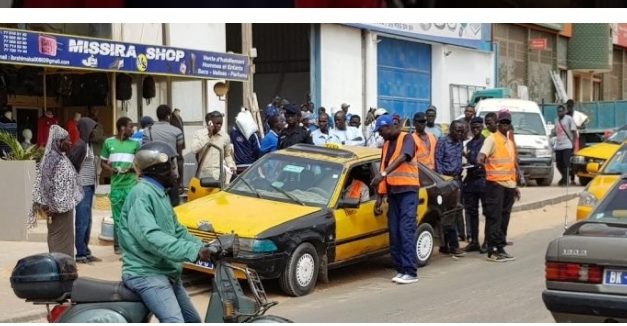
(292, 109)
(384, 120)
(271, 111)
(146, 121)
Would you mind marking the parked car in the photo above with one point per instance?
(293, 222)
(604, 180)
(586, 268)
(535, 156)
(598, 153)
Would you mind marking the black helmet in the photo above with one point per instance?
(154, 153)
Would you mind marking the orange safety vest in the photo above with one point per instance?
(501, 166)
(425, 155)
(354, 190)
(405, 175)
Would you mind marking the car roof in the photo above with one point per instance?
(343, 155)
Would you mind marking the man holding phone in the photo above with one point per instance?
(213, 134)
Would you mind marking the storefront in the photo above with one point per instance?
(404, 67)
(41, 71)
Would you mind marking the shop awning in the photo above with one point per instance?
(73, 52)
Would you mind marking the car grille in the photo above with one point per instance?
(204, 236)
(526, 153)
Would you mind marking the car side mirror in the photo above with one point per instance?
(592, 167)
(210, 182)
(349, 203)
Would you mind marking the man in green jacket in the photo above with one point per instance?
(154, 243)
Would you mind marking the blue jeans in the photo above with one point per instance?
(82, 223)
(402, 224)
(166, 299)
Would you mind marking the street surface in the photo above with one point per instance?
(469, 289)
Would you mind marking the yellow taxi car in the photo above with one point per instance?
(605, 178)
(598, 153)
(293, 221)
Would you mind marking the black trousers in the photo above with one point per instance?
(471, 206)
(562, 160)
(499, 201)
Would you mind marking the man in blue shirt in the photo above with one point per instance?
(246, 151)
(448, 161)
(270, 142)
(474, 184)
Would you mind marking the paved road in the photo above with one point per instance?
(469, 289)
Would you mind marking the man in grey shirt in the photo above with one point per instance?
(565, 133)
(163, 131)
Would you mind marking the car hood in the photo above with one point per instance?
(601, 151)
(601, 184)
(532, 141)
(246, 216)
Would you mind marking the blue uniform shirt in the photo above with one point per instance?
(270, 142)
(448, 157)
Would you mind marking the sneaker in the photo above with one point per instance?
(473, 246)
(505, 255)
(407, 279)
(82, 260)
(457, 253)
(444, 250)
(397, 277)
(484, 248)
(93, 259)
(496, 257)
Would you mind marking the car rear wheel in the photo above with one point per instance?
(584, 181)
(424, 244)
(301, 272)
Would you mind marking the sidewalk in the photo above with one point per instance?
(13, 309)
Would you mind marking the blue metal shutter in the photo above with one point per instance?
(404, 76)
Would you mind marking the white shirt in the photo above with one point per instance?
(319, 138)
(373, 138)
(350, 136)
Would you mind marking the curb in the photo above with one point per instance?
(546, 202)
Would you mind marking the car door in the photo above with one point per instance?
(358, 230)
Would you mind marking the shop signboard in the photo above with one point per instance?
(472, 35)
(538, 43)
(619, 35)
(64, 51)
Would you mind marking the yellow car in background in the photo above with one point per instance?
(605, 178)
(598, 153)
(294, 223)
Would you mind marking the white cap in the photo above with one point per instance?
(380, 111)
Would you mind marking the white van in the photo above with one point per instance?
(531, 135)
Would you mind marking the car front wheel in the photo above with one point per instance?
(301, 272)
(424, 244)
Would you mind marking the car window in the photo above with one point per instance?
(618, 163)
(525, 123)
(363, 173)
(618, 137)
(290, 179)
(614, 207)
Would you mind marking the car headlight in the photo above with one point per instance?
(587, 199)
(257, 245)
(596, 160)
(578, 159)
(544, 152)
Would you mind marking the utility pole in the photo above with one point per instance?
(248, 89)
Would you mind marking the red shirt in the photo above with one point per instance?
(43, 128)
(72, 129)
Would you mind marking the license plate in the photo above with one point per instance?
(615, 277)
(205, 264)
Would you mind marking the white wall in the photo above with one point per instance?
(462, 67)
(341, 68)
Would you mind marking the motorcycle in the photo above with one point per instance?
(51, 279)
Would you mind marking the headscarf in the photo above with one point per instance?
(56, 184)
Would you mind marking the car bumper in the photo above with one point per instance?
(268, 266)
(581, 170)
(536, 167)
(585, 307)
(583, 212)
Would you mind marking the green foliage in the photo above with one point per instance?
(17, 152)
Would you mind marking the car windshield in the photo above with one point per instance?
(618, 163)
(613, 208)
(290, 179)
(525, 123)
(618, 137)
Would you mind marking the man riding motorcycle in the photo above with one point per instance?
(154, 244)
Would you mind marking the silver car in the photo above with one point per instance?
(586, 268)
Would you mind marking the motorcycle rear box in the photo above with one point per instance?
(46, 276)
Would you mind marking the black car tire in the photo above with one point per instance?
(584, 181)
(425, 243)
(546, 182)
(301, 271)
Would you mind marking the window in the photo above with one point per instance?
(363, 173)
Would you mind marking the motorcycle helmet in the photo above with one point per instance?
(156, 159)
